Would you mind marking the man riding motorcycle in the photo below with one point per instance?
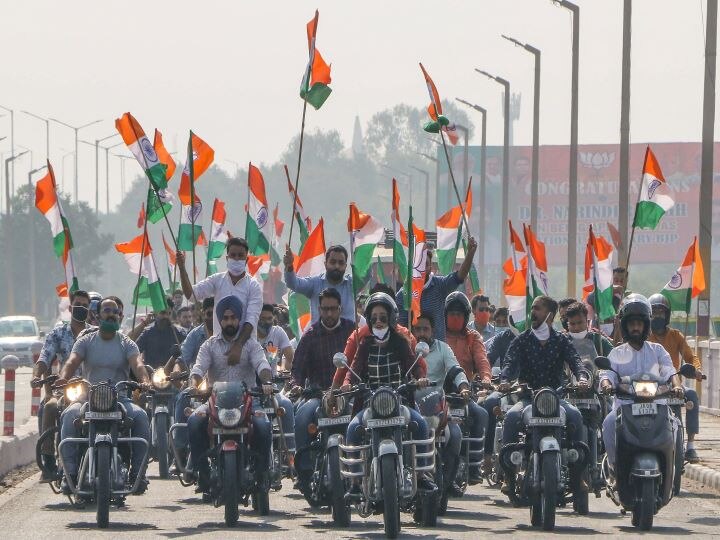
(636, 355)
(212, 361)
(105, 355)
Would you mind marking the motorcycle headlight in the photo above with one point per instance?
(73, 392)
(230, 417)
(645, 389)
(547, 403)
(160, 380)
(384, 403)
(335, 410)
(203, 386)
(102, 398)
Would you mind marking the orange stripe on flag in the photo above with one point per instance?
(163, 155)
(651, 165)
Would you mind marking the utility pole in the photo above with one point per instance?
(33, 271)
(75, 129)
(624, 183)
(9, 280)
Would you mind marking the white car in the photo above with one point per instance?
(19, 334)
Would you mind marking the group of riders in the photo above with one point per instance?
(456, 393)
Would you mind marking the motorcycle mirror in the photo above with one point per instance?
(687, 371)
(422, 349)
(602, 362)
(340, 360)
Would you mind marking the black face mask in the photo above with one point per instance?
(657, 324)
(79, 313)
(335, 275)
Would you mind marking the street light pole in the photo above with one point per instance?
(7, 180)
(12, 141)
(506, 161)
(47, 132)
(573, 188)
(97, 168)
(535, 181)
(9, 239)
(107, 175)
(33, 284)
(624, 181)
(75, 129)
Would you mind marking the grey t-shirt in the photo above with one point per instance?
(105, 360)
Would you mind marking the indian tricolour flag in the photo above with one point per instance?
(138, 255)
(315, 88)
(190, 225)
(311, 260)
(537, 279)
(518, 258)
(602, 275)
(655, 196)
(218, 232)
(417, 257)
(159, 204)
(448, 232)
(515, 291)
(143, 150)
(365, 234)
(48, 203)
(257, 224)
(400, 240)
(170, 257)
(199, 157)
(688, 282)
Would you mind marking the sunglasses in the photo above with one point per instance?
(379, 318)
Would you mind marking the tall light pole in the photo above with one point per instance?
(97, 166)
(9, 239)
(75, 129)
(426, 174)
(706, 167)
(466, 134)
(483, 161)
(107, 174)
(624, 180)
(33, 284)
(7, 179)
(573, 191)
(12, 139)
(506, 161)
(47, 132)
(535, 180)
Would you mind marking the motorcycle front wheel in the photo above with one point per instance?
(645, 506)
(230, 487)
(161, 438)
(102, 486)
(548, 497)
(340, 510)
(391, 513)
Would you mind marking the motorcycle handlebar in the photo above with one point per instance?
(42, 382)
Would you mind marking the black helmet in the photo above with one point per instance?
(457, 301)
(381, 298)
(635, 306)
(658, 300)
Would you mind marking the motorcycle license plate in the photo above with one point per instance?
(235, 431)
(268, 410)
(324, 422)
(112, 415)
(676, 402)
(538, 421)
(583, 403)
(386, 422)
(643, 409)
(460, 413)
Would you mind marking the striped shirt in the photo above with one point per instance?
(432, 301)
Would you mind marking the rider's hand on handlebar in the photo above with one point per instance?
(466, 395)
(678, 391)
(583, 384)
(34, 382)
(268, 389)
(422, 383)
(60, 382)
(296, 391)
(345, 388)
(605, 386)
(504, 387)
(145, 386)
(698, 375)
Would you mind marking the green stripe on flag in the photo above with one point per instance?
(297, 305)
(380, 271)
(185, 236)
(155, 207)
(647, 215)
(679, 299)
(259, 245)
(150, 294)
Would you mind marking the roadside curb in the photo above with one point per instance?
(19, 450)
(705, 475)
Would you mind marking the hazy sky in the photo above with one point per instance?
(231, 70)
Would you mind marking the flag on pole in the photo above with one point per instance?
(298, 313)
(365, 234)
(202, 157)
(299, 212)
(518, 258)
(437, 120)
(279, 224)
(417, 255)
(159, 204)
(148, 291)
(655, 195)
(380, 271)
(400, 239)
(191, 211)
(589, 285)
(311, 260)
(143, 150)
(537, 280)
(602, 275)
(190, 214)
(49, 205)
(218, 233)
(448, 236)
(474, 279)
(164, 156)
(257, 225)
(314, 87)
(687, 282)
(170, 253)
(515, 290)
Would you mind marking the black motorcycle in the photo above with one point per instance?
(103, 475)
(646, 468)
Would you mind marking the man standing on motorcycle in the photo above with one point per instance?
(383, 359)
(636, 355)
(212, 361)
(313, 362)
(467, 346)
(674, 342)
(538, 357)
(105, 355)
(58, 344)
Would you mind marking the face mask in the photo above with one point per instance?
(109, 326)
(579, 335)
(483, 317)
(235, 267)
(380, 333)
(607, 329)
(334, 275)
(658, 325)
(265, 327)
(80, 313)
(455, 323)
(542, 332)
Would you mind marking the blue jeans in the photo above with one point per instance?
(514, 422)
(692, 416)
(491, 401)
(140, 428)
(480, 421)
(200, 440)
(180, 436)
(287, 421)
(305, 415)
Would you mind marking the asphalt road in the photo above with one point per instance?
(168, 510)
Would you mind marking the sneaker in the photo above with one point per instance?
(691, 455)
(65, 487)
(49, 469)
(142, 484)
(475, 476)
(425, 483)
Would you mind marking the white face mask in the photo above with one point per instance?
(542, 332)
(578, 335)
(607, 329)
(380, 333)
(235, 267)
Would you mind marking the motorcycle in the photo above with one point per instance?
(646, 468)
(283, 460)
(103, 475)
(538, 466)
(160, 406)
(181, 459)
(388, 461)
(52, 433)
(433, 406)
(496, 476)
(234, 476)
